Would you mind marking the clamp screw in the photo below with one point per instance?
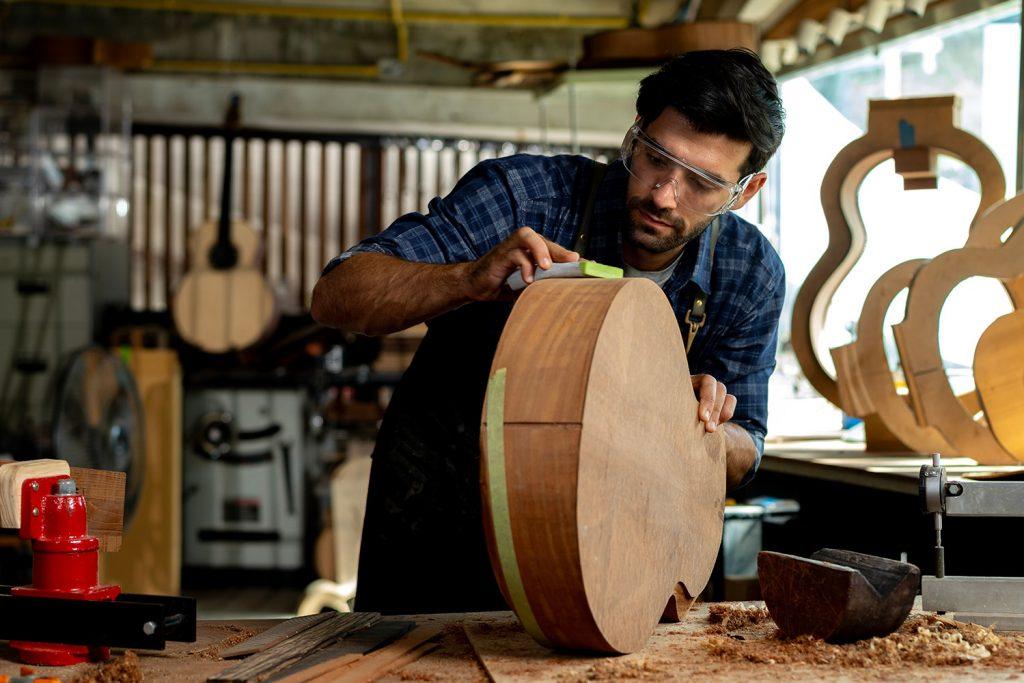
(954, 489)
(35, 512)
(149, 628)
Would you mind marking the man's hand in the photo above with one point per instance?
(521, 250)
(716, 404)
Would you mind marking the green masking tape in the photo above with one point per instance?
(499, 505)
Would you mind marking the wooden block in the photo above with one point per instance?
(265, 663)
(593, 456)
(917, 165)
(13, 475)
(150, 557)
(103, 491)
(275, 635)
(837, 595)
(104, 504)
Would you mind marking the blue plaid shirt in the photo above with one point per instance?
(744, 288)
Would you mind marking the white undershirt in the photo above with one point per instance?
(659, 277)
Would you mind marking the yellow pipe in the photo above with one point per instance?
(347, 14)
(267, 68)
(401, 31)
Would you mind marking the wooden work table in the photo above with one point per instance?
(847, 463)
(471, 641)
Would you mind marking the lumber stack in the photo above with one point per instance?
(345, 647)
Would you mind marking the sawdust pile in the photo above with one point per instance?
(927, 640)
(727, 618)
(123, 669)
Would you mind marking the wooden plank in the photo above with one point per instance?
(150, 557)
(303, 225)
(275, 635)
(285, 250)
(147, 227)
(168, 227)
(104, 504)
(289, 651)
(322, 242)
(265, 211)
(187, 224)
(345, 652)
(403, 651)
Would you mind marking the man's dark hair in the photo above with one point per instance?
(721, 92)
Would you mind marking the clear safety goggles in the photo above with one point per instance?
(696, 189)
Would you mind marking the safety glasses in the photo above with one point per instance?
(696, 189)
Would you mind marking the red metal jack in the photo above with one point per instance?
(65, 562)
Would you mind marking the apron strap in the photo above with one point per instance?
(596, 176)
(696, 316)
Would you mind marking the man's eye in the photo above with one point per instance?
(700, 184)
(656, 160)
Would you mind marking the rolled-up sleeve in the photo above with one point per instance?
(475, 216)
(744, 359)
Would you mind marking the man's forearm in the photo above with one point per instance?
(740, 453)
(378, 294)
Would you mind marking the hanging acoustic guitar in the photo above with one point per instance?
(224, 303)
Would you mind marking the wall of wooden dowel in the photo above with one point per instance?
(309, 195)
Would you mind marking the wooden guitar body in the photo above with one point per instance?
(999, 376)
(224, 310)
(917, 337)
(601, 490)
(243, 237)
(655, 45)
(912, 131)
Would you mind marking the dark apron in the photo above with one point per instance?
(423, 547)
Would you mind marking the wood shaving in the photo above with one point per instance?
(927, 640)
(239, 634)
(123, 669)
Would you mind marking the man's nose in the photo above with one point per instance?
(664, 195)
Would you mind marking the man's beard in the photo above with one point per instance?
(636, 233)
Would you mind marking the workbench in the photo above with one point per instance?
(469, 642)
(869, 503)
(845, 462)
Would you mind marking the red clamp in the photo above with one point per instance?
(65, 561)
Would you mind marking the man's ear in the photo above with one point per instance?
(752, 188)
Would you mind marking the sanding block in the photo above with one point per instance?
(572, 269)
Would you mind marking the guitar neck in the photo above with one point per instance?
(226, 192)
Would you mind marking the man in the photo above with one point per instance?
(707, 123)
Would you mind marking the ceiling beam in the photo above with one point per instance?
(808, 9)
(348, 14)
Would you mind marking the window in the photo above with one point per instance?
(975, 57)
